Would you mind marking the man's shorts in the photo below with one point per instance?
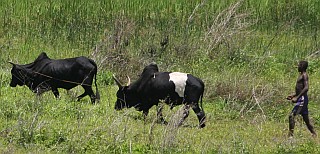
(301, 107)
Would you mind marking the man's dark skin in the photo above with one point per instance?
(301, 99)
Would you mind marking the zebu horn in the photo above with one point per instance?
(117, 81)
(12, 63)
(129, 81)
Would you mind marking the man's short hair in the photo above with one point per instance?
(304, 64)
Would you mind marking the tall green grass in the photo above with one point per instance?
(83, 24)
(84, 21)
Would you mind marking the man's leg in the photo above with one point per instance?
(307, 121)
(296, 110)
(291, 123)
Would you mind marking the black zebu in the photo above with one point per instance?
(174, 87)
(48, 74)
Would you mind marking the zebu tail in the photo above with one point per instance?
(201, 102)
(202, 116)
(95, 79)
(95, 83)
(202, 97)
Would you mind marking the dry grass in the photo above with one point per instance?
(227, 24)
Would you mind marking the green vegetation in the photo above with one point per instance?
(245, 51)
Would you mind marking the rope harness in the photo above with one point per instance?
(67, 81)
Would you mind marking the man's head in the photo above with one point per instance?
(302, 66)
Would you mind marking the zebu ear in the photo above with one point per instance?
(117, 81)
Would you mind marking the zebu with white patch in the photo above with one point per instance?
(174, 87)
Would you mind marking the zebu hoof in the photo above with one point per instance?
(202, 125)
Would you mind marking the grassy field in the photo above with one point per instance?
(47, 125)
(245, 51)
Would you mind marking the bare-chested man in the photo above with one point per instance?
(301, 99)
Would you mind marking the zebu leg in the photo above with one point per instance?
(87, 91)
(55, 92)
(145, 114)
(186, 108)
(200, 114)
(159, 114)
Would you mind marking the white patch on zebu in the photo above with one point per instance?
(180, 81)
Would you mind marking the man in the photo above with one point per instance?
(301, 99)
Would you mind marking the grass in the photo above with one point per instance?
(245, 52)
(48, 125)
